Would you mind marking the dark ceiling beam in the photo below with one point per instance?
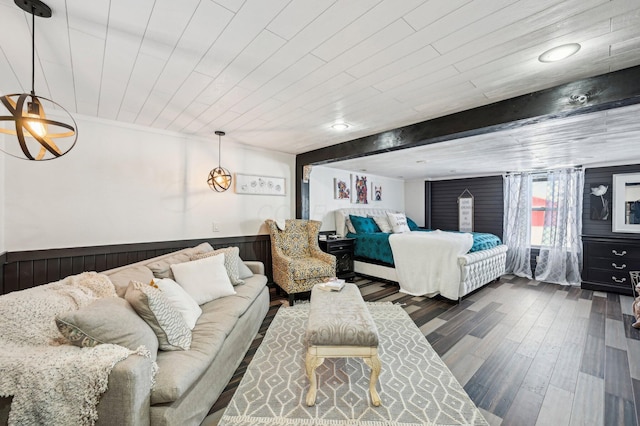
(606, 91)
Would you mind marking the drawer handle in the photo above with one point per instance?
(619, 254)
(617, 280)
(619, 267)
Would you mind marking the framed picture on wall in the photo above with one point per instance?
(600, 199)
(259, 185)
(341, 189)
(359, 189)
(376, 192)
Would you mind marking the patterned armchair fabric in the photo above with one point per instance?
(298, 262)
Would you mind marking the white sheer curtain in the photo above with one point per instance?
(560, 258)
(517, 223)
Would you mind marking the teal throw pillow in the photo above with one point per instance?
(364, 225)
(412, 225)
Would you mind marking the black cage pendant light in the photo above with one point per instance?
(219, 178)
(39, 137)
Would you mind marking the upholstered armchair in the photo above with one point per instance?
(298, 262)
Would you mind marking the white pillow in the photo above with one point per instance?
(398, 222)
(349, 225)
(180, 300)
(204, 279)
(383, 224)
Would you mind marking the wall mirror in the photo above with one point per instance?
(626, 202)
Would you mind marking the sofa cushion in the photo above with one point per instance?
(178, 370)
(162, 268)
(122, 278)
(107, 320)
(231, 262)
(204, 279)
(180, 300)
(153, 307)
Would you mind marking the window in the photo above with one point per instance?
(538, 209)
(541, 188)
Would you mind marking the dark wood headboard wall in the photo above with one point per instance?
(25, 269)
(488, 204)
(3, 259)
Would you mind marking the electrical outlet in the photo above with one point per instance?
(537, 259)
(215, 227)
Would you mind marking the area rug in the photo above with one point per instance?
(415, 385)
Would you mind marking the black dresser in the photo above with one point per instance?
(607, 262)
(342, 249)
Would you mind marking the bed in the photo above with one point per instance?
(451, 264)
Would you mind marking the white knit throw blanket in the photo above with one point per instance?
(52, 382)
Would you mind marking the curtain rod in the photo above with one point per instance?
(538, 171)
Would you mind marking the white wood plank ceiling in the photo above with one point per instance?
(278, 73)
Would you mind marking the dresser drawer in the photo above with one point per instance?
(614, 264)
(616, 278)
(614, 250)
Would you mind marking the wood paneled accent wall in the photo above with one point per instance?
(488, 203)
(25, 269)
(3, 259)
(593, 178)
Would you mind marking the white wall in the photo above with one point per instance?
(414, 200)
(322, 203)
(127, 184)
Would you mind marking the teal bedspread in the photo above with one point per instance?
(375, 246)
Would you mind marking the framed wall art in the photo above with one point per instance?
(359, 193)
(376, 192)
(341, 190)
(260, 185)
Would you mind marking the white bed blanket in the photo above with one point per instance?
(427, 262)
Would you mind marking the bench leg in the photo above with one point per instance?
(375, 364)
(312, 362)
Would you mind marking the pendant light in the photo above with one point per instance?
(27, 121)
(219, 178)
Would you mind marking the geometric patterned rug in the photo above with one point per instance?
(415, 385)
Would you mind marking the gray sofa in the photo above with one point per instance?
(187, 382)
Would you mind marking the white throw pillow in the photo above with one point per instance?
(383, 224)
(204, 279)
(398, 222)
(231, 261)
(349, 225)
(180, 300)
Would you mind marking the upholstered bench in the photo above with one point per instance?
(340, 326)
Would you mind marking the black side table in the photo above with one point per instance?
(342, 249)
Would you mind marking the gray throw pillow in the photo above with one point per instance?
(170, 328)
(107, 320)
(243, 271)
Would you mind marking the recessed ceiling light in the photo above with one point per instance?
(559, 53)
(340, 126)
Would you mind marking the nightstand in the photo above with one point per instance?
(342, 249)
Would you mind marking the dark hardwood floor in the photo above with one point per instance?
(527, 353)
